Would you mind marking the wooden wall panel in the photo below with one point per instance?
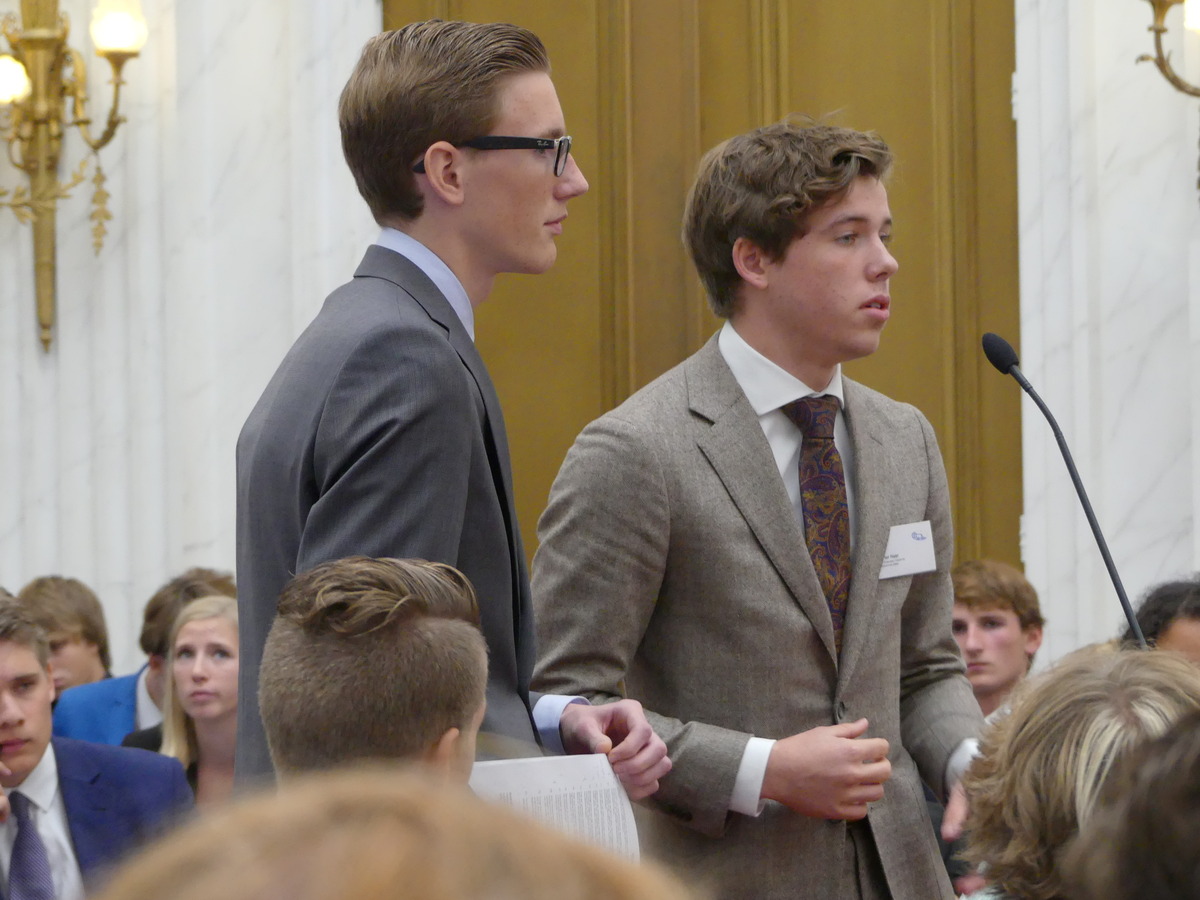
(646, 88)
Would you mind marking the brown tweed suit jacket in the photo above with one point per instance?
(672, 570)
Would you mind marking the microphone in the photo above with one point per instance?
(1001, 355)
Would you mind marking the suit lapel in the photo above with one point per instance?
(86, 801)
(739, 453)
(381, 262)
(873, 473)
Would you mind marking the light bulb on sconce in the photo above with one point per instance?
(118, 27)
(1191, 15)
(14, 80)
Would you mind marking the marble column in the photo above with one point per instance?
(1110, 299)
(233, 216)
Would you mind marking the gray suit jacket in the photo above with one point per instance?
(381, 434)
(671, 561)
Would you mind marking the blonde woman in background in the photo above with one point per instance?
(200, 697)
(1041, 767)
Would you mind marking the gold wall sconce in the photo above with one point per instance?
(1191, 22)
(43, 93)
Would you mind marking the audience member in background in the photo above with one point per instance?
(73, 619)
(76, 808)
(200, 699)
(381, 835)
(1040, 767)
(374, 659)
(1141, 842)
(106, 711)
(1170, 618)
(998, 626)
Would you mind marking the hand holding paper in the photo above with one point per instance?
(620, 731)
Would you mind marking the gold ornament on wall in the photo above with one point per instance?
(43, 93)
(1191, 22)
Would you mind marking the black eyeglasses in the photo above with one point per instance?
(561, 147)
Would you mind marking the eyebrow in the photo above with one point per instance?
(853, 219)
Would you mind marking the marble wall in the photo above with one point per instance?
(234, 214)
(1110, 305)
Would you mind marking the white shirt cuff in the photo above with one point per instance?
(747, 787)
(957, 764)
(547, 713)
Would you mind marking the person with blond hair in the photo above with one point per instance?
(379, 834)
(71, 615)
(374, 659)
(1041, 767)
(200, 699)
(105, 712)
(1141, 842)
(998, 625)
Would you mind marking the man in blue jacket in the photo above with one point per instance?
(75, 808)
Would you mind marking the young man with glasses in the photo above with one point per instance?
(381, 434)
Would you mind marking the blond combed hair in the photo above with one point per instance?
(383, 834)
(1041, 766)
(426, 82)
(68, 605)
(179, 731)
(985, 584)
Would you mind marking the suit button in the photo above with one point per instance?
(840, 714)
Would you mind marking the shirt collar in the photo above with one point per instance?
(437, 271)
(766, 385)
(41, 785)
(147, 714)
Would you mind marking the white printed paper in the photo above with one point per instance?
(909, 551)
(577, 794)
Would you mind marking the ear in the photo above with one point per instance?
(751, 263)
(443, 753)
(50, 679)
(443, 173)
(1033, 640)
(156, 662)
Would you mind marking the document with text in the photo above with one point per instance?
(577, 794)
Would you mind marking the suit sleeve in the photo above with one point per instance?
(937, 707)
(392, 453)
(605, 544)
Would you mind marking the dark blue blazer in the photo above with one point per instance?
(103, 711)
(117, 798)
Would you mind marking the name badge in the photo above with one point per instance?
(909, 551)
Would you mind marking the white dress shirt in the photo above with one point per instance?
(49, 814)
(769, 388)
(146, 713)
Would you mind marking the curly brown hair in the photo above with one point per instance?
(1041, 766)
(762, 186)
